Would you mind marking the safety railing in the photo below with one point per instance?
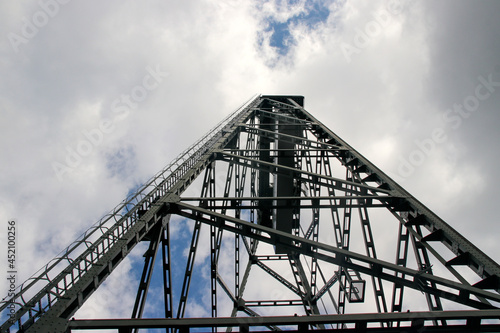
(36, 295)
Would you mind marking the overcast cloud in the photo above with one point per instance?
(152, 77)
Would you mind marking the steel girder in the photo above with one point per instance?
(415, 279)
(470, 321)
(49, 299)
(277, 168)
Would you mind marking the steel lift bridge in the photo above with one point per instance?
(288, 228)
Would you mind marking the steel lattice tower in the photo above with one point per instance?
(304, 234)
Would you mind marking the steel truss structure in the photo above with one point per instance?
(301, 232)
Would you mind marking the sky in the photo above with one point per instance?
(96, 97)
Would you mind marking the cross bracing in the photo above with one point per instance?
(299, 230)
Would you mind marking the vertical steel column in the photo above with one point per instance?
(167, 269)
(378, 288)
(401, 258)
(208, 187)
(149, 262)
(424, 263)
(346, 234)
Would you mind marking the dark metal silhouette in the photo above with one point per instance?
(291, 208)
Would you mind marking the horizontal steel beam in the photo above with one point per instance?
(479, 262)
(411, 278)
(298, 302)
(275, 115)
(301, 206)
(473, 319)
(300, 141)
(340, 184)
(339, 198)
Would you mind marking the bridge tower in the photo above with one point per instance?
(282, 225)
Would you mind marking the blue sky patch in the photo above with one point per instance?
(121, 163)
(281, 37)
(314, 13)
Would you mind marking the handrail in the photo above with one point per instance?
(95, 241)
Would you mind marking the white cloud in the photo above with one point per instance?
(64, 80)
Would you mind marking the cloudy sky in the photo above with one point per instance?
(414, 86)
